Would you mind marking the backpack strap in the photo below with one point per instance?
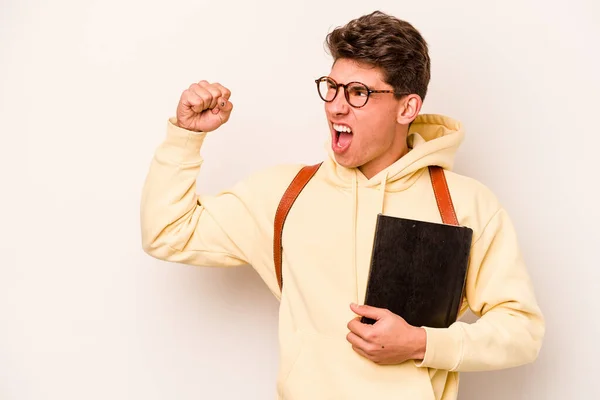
(442, 195)
(438, 181)
(444, 202)
(288, 198)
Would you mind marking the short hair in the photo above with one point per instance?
(386, 42)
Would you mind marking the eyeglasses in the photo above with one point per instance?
(357, 94)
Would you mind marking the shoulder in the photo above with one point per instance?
(273, 177)
(264, 188)
(475, 203)
(470, 186)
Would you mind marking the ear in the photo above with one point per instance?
(409, 109)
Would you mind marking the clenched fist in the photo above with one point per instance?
(203, 107)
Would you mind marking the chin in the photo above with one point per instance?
(346, 163)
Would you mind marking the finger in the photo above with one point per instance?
(226, 112)
(216, 90)
(358, 343)
(369, 311)
(222, 105)
(215, 93)
(225, 93)
(205, 95)
(203, 84)
(365, 331)
(191, 100)
(209, 94)
(361, 352)
(226, 106)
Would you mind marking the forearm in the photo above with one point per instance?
(500, 339)
(168, 194)
(177, 224)
(499, 290)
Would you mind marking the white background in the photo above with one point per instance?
(86, 89)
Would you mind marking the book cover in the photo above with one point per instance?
(418, 270)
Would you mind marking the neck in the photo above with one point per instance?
(396, 151)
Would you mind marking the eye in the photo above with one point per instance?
(358, 91)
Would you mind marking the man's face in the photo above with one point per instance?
(375, 141)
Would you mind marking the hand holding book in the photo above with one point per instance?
(390, 340)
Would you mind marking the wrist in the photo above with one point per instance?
(175, 121)
(420, 343)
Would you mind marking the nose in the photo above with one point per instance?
(339, 105)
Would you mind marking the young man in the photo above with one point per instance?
(379, 153)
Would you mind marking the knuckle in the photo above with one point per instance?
(197, 91)
(372, 349)
(197, 88)
(193, 98)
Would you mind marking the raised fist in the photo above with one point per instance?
(203, 107)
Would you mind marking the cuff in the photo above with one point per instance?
(444, 348)
(183, 138)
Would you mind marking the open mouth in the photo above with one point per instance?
(343, 137)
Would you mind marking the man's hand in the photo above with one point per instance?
(203, 107)
(390, 340)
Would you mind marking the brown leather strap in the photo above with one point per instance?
(444, 202)
(442, 195)
(440, 189)
(288, 198)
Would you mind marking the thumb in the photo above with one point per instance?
(224, 105)
(368, 311)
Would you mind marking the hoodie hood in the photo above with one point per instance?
(432, 140)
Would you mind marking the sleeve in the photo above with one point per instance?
(511, 327)
(181, 226)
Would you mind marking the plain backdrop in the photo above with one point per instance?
(86, 89)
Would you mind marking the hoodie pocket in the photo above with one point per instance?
(289, 354)
(328, 368)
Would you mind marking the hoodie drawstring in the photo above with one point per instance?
(382, 189)
(354, 217)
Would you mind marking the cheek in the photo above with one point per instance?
(377, 133)
(377, 127)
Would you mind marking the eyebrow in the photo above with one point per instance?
(370, 85)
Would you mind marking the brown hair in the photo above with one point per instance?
(389, 43)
